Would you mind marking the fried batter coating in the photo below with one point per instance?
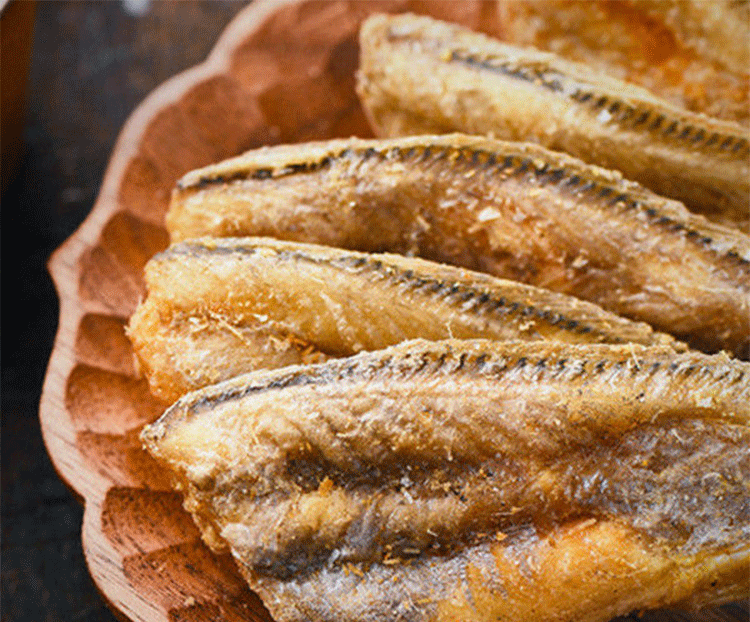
(418, 75)
(517, 211)
(474, 480)
(220, 307)
(691, 53)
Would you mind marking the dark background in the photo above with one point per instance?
(91, 64)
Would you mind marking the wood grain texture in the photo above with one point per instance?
(282, 72)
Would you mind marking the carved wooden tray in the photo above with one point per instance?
(281, 72)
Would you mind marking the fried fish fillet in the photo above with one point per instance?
(418, 75)
(719, 30)
(474, 480)
(219, 307)
(517, 211)
(692, 53)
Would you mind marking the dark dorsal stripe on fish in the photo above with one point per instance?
(481, 300)
(480, 85)
(435, 358)
(516, 211)
(662, 124)
(432, 453)
(505, 162)
(219, 307)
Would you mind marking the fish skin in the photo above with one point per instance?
(514, 210)
(474, 480)
(418, 75)
(219, 307)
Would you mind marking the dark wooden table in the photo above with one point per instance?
(92, 63)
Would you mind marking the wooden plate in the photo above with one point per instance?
(281, 72)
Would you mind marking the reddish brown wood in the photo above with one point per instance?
(281, 72)
(16, 32)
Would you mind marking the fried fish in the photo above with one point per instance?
(718, 30)
(474, 480)
(517, 211)
(219, 307)
(418, 75)
(691, 53)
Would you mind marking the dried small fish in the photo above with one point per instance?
(474, 480)
(219, 307)
(419, 75)
(516, 211)
(692, 53)
(719, 30)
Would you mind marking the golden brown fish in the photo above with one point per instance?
(718, 30)
(516, 211)
(219, 307)
(692, 53)
(474, 480)
(418, 75)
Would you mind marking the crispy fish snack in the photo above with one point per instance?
(418, 75)
(692, 53)
(516, 211)
(719, 30)
(219, 307)
(474, 480)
